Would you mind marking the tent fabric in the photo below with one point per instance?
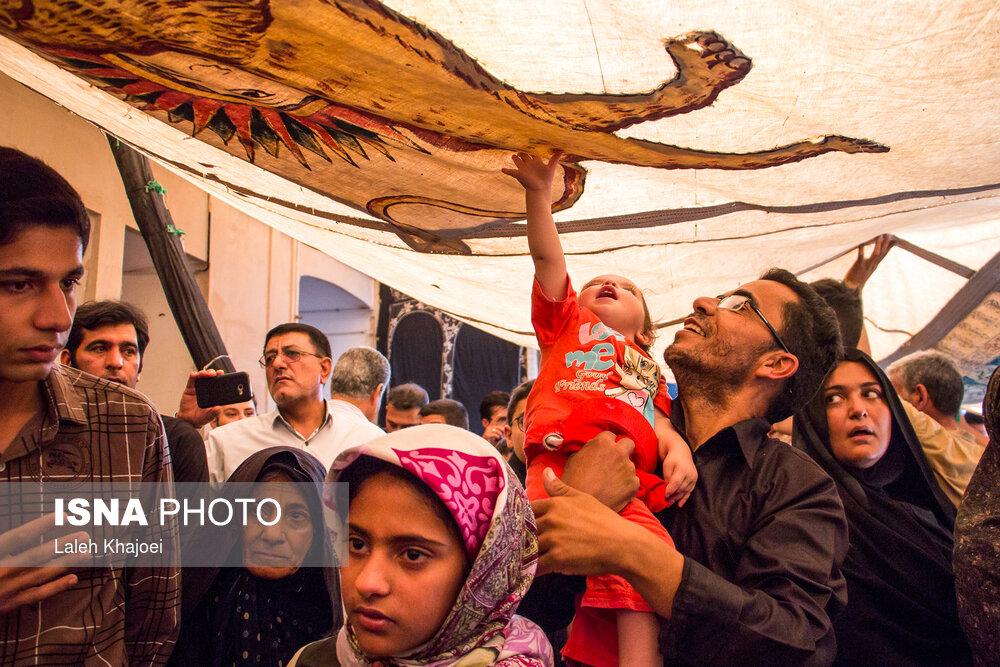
(974, 342)
(705, 142)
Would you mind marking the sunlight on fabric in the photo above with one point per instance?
(717, 140)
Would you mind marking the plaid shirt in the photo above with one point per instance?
(93, 430)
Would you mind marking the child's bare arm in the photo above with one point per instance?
(678, 466)
(535, 174)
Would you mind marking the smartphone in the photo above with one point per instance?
(222, 389)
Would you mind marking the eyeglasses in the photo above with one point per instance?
(291, 355)
(735, 302)
(519, 421)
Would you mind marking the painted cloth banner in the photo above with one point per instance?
(723, 138)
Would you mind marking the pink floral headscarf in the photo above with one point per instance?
(495, 521)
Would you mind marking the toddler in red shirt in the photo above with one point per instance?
(596, 375)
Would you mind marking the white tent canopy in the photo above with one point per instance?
(917, 79)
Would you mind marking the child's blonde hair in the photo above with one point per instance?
(647, 324)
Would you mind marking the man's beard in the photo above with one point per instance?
(711, 374)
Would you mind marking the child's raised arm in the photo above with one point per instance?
(535, 174)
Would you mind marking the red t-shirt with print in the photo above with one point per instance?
(584, 359)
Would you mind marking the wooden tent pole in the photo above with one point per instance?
(185, 299)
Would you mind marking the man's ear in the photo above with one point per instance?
(325, 368)
(374, 402)
(65, 358)
(376, 398)
(921, 399)
(777, 365)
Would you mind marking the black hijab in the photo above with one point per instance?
(901, 607)
(230, 616)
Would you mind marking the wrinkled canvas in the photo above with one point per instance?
(705, 142)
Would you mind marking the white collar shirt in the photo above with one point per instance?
(344, 426)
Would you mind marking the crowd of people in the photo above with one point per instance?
(794, 505)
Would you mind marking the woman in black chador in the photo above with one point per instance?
(901, 607)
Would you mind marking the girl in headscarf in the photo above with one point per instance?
(442, 547)
(264, 607)
(901, 607)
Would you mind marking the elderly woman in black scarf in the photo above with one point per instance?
(977, 542)
(901, 607)
(265, 607)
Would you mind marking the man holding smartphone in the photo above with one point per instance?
(109, 340)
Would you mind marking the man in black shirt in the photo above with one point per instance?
(755, 574)
(109, 339)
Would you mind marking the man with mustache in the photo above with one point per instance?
(109, 340)
(932, 390)
(755, 575)
(298, 364)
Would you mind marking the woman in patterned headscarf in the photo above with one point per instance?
(442, 547)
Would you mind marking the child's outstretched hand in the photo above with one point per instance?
(680, 475)
(534, 173)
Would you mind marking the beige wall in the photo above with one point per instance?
(248, 272)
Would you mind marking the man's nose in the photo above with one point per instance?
(114, 358)
(706, 305)
(55, 312)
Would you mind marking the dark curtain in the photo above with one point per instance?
(416, 353)
(483, 363)
(385, 301)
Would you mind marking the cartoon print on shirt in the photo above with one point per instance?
(640, 378)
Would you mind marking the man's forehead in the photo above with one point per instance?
(53, 252)
(115, 333)
(290, 339)
(767, 293)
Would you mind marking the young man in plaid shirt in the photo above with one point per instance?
(58, 424)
